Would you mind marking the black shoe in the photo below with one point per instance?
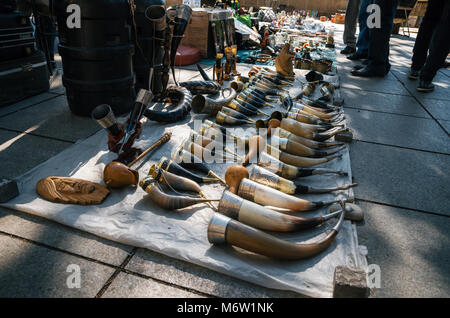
(413, 74)
(357, 56)
(366, 73)
(425, 86)
(348, 50)
(365, 62)
(357, 67)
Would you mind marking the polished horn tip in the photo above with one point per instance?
(217, 229)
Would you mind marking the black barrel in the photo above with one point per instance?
(142, 60)
(97, 58)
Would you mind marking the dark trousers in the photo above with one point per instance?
(363, 38)
(379, 38)
(434, 35)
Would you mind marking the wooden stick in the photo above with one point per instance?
(165, 138)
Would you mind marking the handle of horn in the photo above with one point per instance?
(165, 138)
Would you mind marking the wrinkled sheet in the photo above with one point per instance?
(128, 216)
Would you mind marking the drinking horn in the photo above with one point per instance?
(190, 161)
(308, 142)
(263, 218)
(174, 181)
(327, 90)
(203, 73)
(301, 130)
(315, 112)
(205, 105)
(265, 177)
(308, 88)
(224, 119)
(253, 99)
(222, 230)
(202, 87)
(182, 99)
(202, 152)
(291, 172)
(204, 141)
(104, 116)
(318, 104)
(299, 149)
(237, 85)
(304, 117)
(244, 108)
(231, 112)
(157, 15)
(167, 201)
(168, 165)
(182, 17)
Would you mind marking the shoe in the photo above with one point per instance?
(364, 72)
(425, 86)
(357, 56)
(357, 67)
(413, 74)
(348, 50)
(365, 62)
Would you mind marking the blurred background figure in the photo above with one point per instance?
(362, 45)
(351, 16)
(433, 36)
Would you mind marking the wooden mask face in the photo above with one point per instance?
(71, 190)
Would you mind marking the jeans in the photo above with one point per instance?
(363, 38)
(379, 38)
(351, 16)
(439, 45)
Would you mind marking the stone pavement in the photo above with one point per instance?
(400, 159)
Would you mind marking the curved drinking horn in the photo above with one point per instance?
(319, 104)
(174, 181)
(308, 89)
(291, 172)
(299, 149)
(327, 90)
(231, 112)
(168, 165)
(204, 141)
(222, 230)
(253, 100)
(195, 148)
(308, 142)
(205, 105)
(233, 177)
(298, 129)
(267, 196)
(298, 161)
(317, 113)
(182, 17)
(167, 201)
(183, 100)
(308, 118)
(265, 177)
(263, 218)
(237, 85)
(237, 106)
(190, 161)
(224, 119)
(202, 87)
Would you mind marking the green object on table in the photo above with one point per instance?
(246, 19)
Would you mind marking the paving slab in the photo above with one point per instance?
(52, 118)
(380, 85)
(411, 248)
(446, 125)
(130, 286)
(401, 177)
(440, 109)
(56, 86)
(29, 270)
(21, 152)
(198, 278)
(397, 130)
(380, 102)
(5, 110)
(62, 237)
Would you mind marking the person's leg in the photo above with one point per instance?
(363, 38)
(428, 25)
(379, 38)
(439, 49)
(351, 16)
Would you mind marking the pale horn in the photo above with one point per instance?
(222, 230)
(263, 218)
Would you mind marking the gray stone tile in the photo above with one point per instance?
(62, 237)
(195, 277)
(52, 118)
(446, 124)
(411, 248)
(397, 130)
(130, 286)
(395, 104)
(21, 152)
(445, 71)
(380, 85)
(5, 110)
(29, 270)
(440, 109)
(401, 177)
